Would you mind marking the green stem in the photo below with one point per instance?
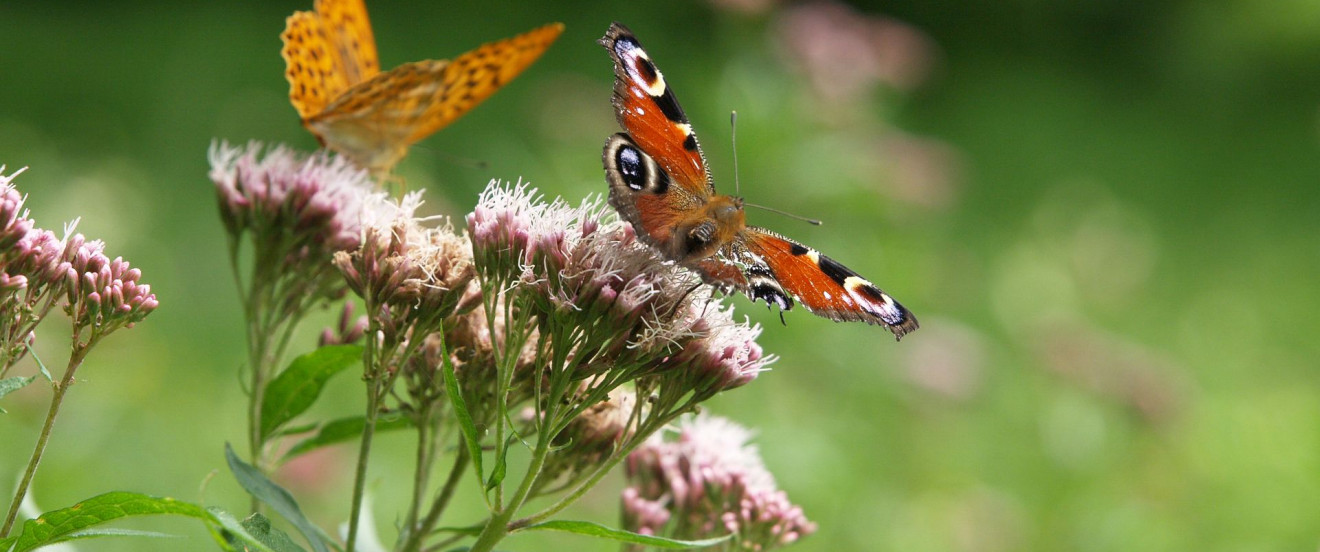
(644, 430)
(422, 469)
(572, 497)
(75, 360)
(364, 451)
(498, 525)
(441, 502)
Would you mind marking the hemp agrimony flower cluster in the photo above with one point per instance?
(538, 329)
(553, 314)
(38, 272)
(708, 481)
(293, 212)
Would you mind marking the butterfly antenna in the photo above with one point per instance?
(733, 123)
(811, 221)
(733, 137)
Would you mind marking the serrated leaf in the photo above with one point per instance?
(341, 430)
(9, 385)
(60, 525)
(234, 535)
(465, 422)
(293, 391)
(259, 526)
(265, 490)
(592, 529)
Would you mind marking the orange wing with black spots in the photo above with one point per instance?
(327, 51)
(660, 184)
(337, 88)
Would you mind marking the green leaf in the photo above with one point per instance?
(265, 490)
(110, 532)
(297, 387)
(7, 542)
(9, 385)
(501, 464)
(464, 417)
(41, 365)
(472, 530)
(597, 530)
(297, 429)
(343, 429)
(259, 526)
(68, 523)
(234, 536)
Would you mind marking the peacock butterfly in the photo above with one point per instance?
(660, 184)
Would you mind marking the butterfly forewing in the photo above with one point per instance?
(350, 38)
(314, 75)
(472, 77)
(648, 109)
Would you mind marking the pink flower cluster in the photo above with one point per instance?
(39, 270)
(415, 273)
(29, 256)
(103, 293)
(305, 207)
(709, 482)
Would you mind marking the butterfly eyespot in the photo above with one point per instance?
(631, 167)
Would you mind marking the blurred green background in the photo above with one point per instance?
(1105, 215)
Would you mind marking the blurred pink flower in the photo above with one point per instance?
(1146, 381)
(745, 7)
(948, 362)
(923, 171)
(845, 54)
(301, 206)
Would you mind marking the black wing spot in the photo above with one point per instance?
(690, 143)
(661, 184)
(669, 106)
(834, 270)
(798, 250)
(647, 71)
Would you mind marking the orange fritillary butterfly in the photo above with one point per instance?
(336, 85)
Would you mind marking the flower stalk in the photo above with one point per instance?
(61, 388)
(98, 294)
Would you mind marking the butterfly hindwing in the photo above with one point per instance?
(644, 194)
(824, 286)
